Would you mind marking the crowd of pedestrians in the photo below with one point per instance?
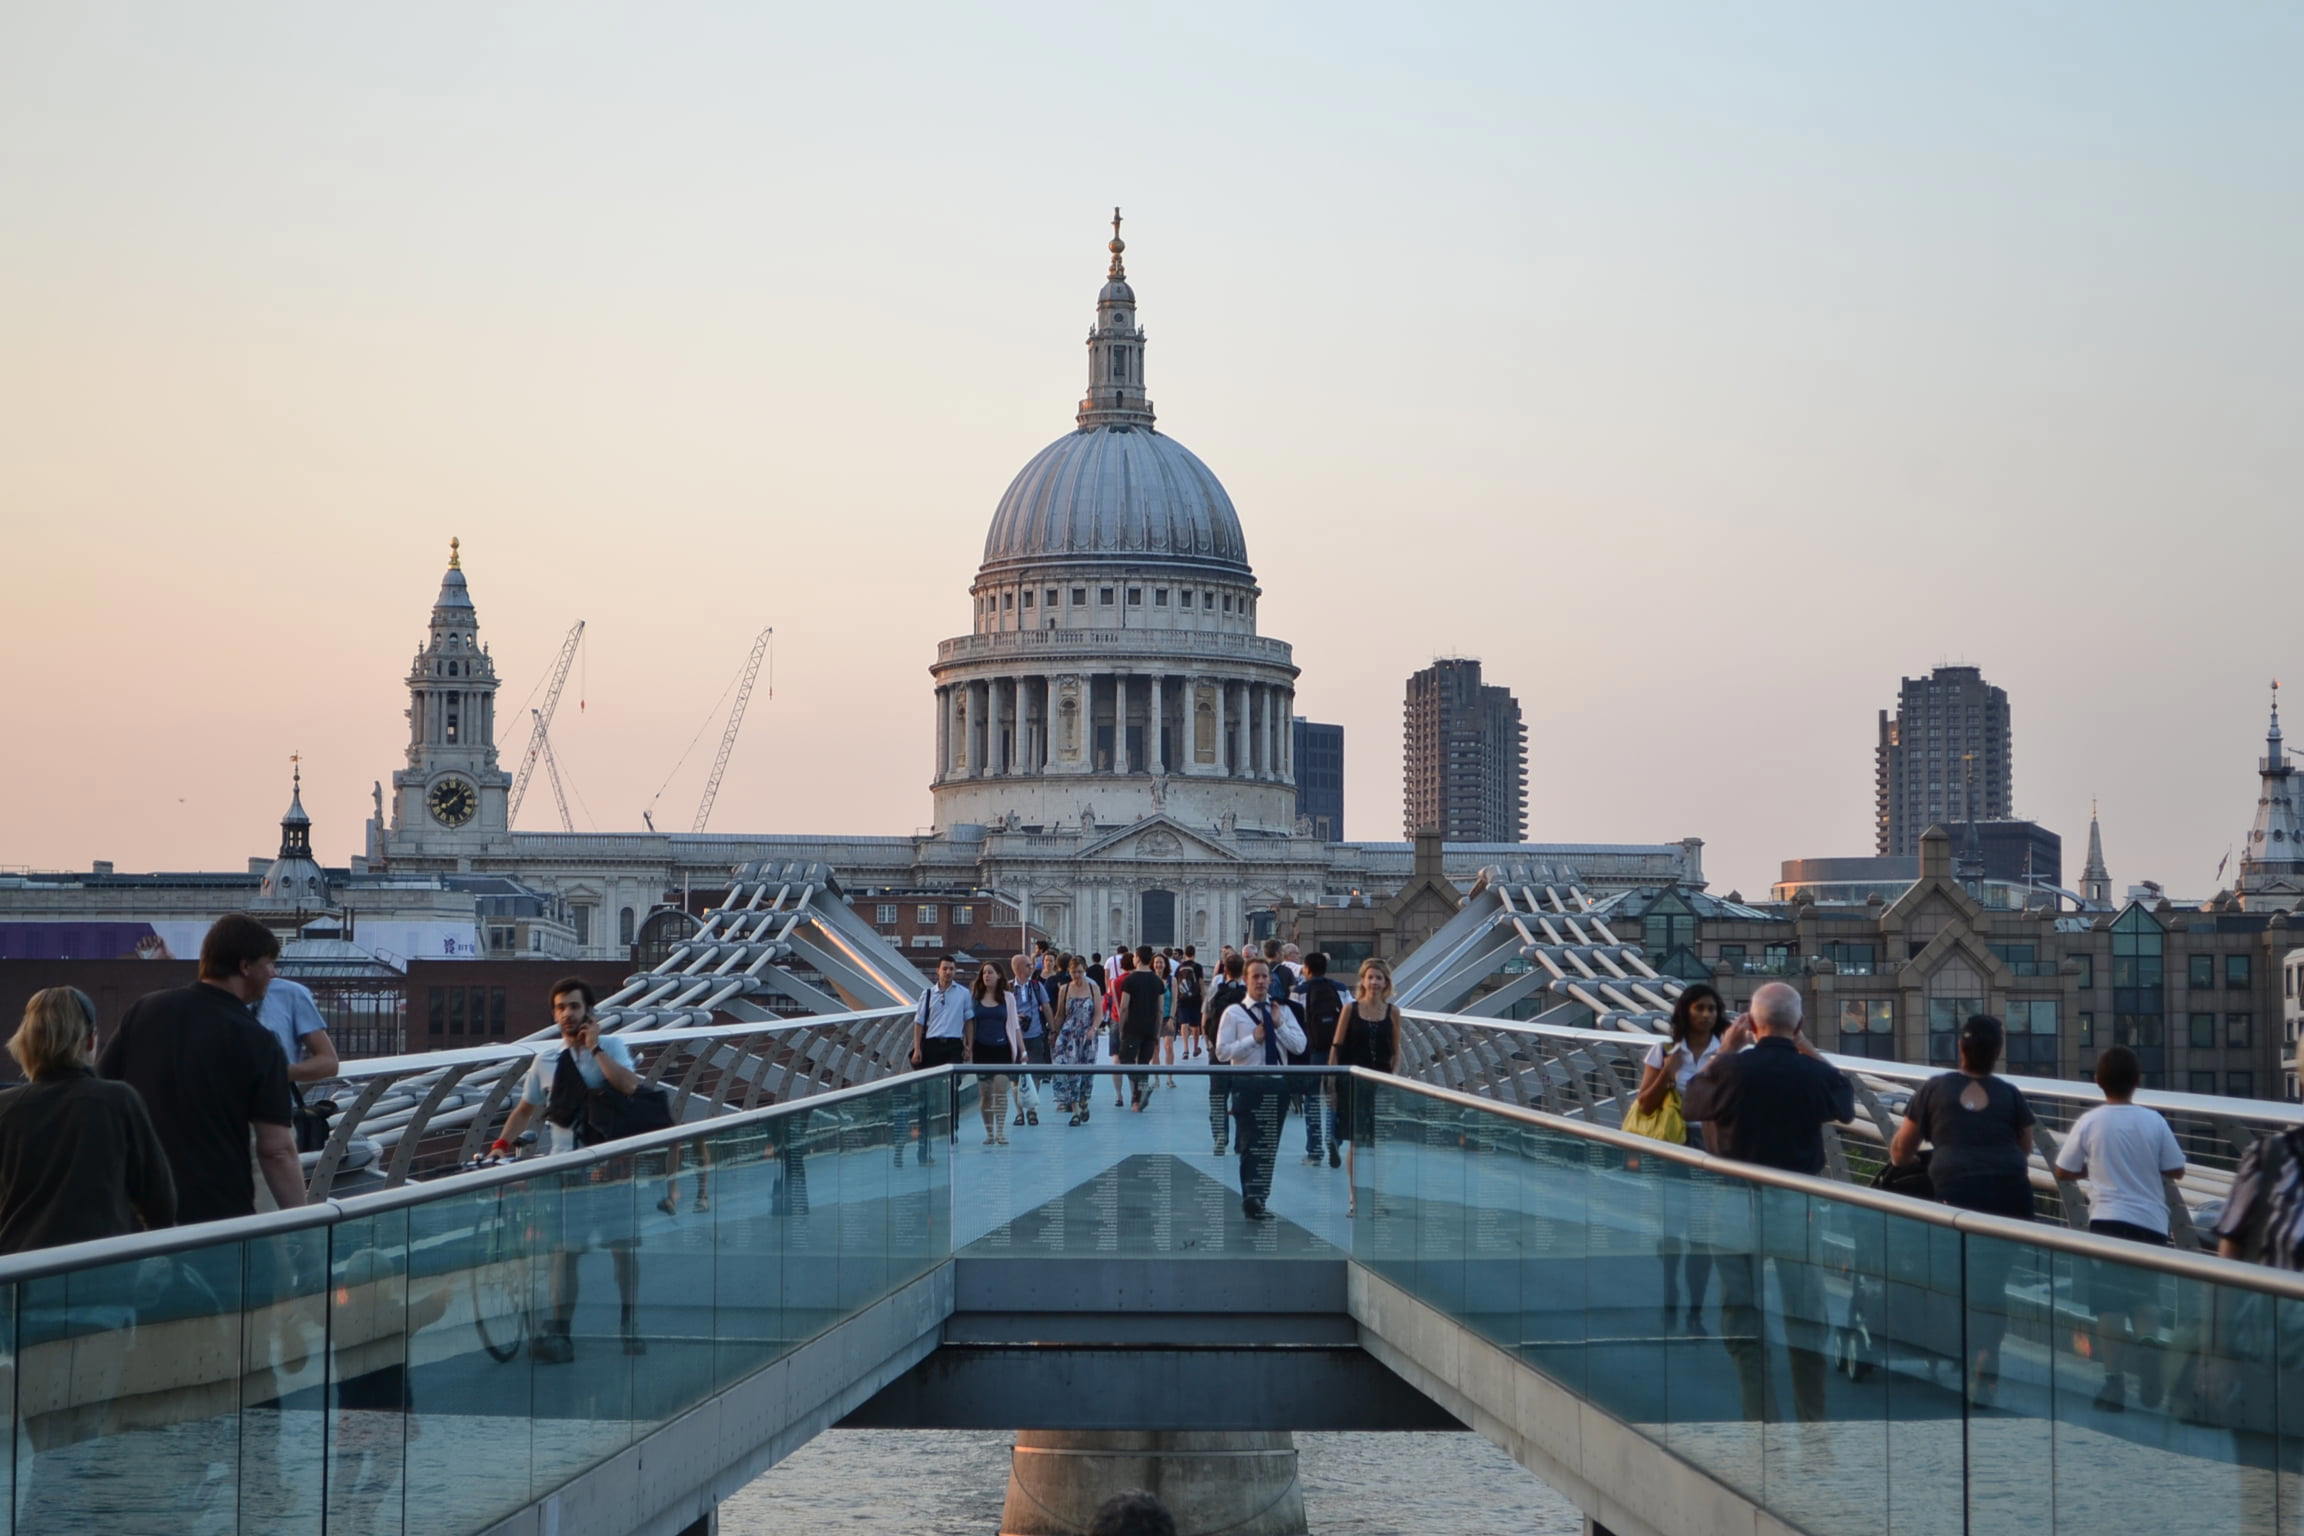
(1261, 1006)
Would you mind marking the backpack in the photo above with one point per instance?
(1188, 981)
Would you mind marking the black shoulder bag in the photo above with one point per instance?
(602, 1114)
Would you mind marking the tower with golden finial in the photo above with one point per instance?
(1115, 395)
(453, 789)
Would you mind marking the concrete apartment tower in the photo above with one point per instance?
(1465, 756)
(1942, 758)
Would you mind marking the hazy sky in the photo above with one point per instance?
(1703, 368)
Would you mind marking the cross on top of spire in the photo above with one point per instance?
(1116, 247)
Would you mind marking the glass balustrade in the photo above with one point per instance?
(1849, 1360)
(433, 1359)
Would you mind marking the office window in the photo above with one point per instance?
(924, 915)
(2203, 1031)
(1159, 597)
(2199, 970)
(2087, 969)
(1104, 596)
(2239, 972)
(2199, 1082)
(1027, 599)
(884, 914)
(1135, 597)
(2087, 1029)
(2241, 1085)
(1080, 597)
(1732, 955)
(1868, 1027)
(496, 1012)
(2236, 1029)
(1208, 601)
(455, 1010)
(2032, 1036)
(436, 1007)
(1008, 601)
(1945, 1016)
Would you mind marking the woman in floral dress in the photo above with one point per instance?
(1076, 1037)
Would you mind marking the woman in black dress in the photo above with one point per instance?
(1981, 1128)
(1367, 1035)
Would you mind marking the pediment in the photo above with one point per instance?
(1932, 893)
(1156, 839)
(1957, 947)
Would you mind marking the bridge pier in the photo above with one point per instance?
(1243, 1484)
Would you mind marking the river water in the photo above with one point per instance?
(950, 1483)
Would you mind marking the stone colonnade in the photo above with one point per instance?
(1121, 722)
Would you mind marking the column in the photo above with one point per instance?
(1159, 708)
(993, 763)
(1218, 691)
(943, 734)
(1288, 752)
(1047, 722)
(1255, 718)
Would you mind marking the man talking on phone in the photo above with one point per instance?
(1770, 1104)
(596, 1214)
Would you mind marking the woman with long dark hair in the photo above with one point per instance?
(1367, 1035)
(1981, 1128)
(1693, 1037)
(1076, 999)
(994, 1038)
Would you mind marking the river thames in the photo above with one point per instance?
(950, 1483)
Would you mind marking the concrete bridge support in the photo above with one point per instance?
(1241, 1484)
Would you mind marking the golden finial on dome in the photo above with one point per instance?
(1117, 246)
(455, 557)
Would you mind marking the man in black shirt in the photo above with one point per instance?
(1141, 994)
(1770, 1105)
(208, 1071)
(1322, 1005)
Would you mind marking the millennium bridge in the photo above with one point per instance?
(1497, 1266)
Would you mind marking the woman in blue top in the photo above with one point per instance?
(994, 1038)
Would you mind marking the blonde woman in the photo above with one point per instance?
(1367, 1035)
(78, 1156)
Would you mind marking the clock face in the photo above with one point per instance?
(452, 802)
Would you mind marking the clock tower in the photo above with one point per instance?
(451, 797)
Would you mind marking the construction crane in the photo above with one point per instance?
(543, 717)
(735, 722)
(543, 744)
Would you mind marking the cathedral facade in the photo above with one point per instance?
(1113, 735)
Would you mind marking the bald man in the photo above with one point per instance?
(1770, 1095)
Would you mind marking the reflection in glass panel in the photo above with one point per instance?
(368, 1337)
(128, 1391)
(283, 1382)
(473, 1267)
(588, 1341)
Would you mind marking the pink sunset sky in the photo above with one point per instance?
(1703, 369)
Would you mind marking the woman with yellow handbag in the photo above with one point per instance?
(1655, 1113)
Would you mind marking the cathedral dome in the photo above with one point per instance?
(1117, 493)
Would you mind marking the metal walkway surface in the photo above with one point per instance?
(371, 1365)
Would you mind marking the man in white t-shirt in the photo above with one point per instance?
(2128, 1155)
(597, 1214)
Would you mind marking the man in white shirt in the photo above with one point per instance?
(2128, 1155)
(939, 1039)
(594, 1214)
(1258, 1034)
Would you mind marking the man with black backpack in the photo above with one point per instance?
(597, 1213)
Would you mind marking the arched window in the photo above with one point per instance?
(624, 925)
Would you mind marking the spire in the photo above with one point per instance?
(1116, 352)
(2273, 865)
(1970, 868)
(2095, 880)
